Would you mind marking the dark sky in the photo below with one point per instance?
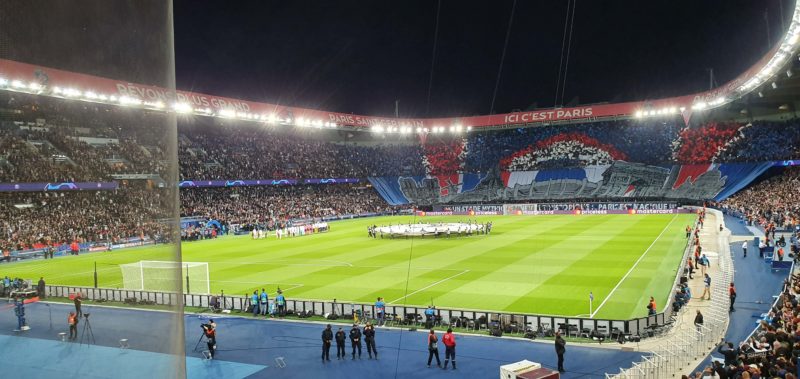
(361, 56)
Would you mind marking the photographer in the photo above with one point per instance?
(210, 331)
(72, 320)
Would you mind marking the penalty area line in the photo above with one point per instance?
(633, 267)
(429, 286)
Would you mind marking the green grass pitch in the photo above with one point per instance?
(529, 264)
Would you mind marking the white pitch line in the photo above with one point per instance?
(632, 267)
(429, 286)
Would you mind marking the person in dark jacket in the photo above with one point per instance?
(327, 338)
(340, 339)
(730, 353)
(561, 347)
(40, 288)
(433, 348)
(698, 321)
(369, 338)
(355, 340)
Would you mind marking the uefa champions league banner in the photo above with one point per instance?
(63, 186)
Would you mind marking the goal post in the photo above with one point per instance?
(161, 276)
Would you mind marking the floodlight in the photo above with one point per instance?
(182, 107)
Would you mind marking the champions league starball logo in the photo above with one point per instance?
(60, 186)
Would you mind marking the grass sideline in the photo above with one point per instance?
(529, 264)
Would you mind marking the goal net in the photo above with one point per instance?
(162, 276)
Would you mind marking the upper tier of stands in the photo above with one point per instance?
(47, 140)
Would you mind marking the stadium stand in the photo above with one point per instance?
(774, 200)
(247, 152)
(30, 218)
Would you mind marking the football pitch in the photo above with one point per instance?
(529, 264)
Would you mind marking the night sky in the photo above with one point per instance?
(359, 57)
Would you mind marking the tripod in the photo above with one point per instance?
(87, 326)
(203, 334)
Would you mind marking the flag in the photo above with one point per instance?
(591, 296)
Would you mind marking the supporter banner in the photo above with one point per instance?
(471, 207)
(460, 213)
(605, 206)
(547, 207)
(65, 186)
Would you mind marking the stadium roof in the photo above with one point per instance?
(22, 77)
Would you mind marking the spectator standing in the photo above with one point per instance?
(703, 262)
(433, 348)
(729, 352)
(561, 348)
(698, 321)
(327, 339)
(732, 295)
(707, 287)
(744, 249)
(449, 341)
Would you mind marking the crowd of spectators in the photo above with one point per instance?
(760, 141)
(265, 205)
(643, 141)
(775, 200)
(562, 150)
(48, 140)
(703, 144)
(38, 219)
(444, 157)
(249, 152)
(773, 350)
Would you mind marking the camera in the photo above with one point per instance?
(86, 315)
